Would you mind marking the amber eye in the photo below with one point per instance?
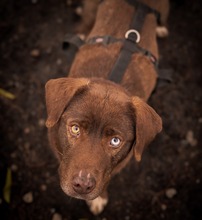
(75, 130)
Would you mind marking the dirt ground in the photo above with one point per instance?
(167, 184)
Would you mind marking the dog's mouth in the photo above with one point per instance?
(84, 185)
(78, 193)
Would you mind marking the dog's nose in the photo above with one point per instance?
(83, 183)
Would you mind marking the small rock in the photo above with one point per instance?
(34, 1)
(41, 122)
(49, 50)
(15, 37)
(27, 146)
(35, 53)
(27, 130)
(52, 210)
(162, 216)
(171, 192)
(190, 138)
(198, 181)
(56, 216)
(43, 187)
(79, 11)
(69, 2)
(200, 120)
(47, 174)
(163, 207)
(28, 197)
(59, 20)
(59, 62)
(14, 167)
(21, 29)
(13, 155)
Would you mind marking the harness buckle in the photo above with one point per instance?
(127, 35)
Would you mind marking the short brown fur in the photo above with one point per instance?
(87, 113)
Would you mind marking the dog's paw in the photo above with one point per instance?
(97, 205)
(161, 31)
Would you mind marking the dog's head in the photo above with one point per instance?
(94, 125)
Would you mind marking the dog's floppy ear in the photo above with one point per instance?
(58, 93)
(148, 124)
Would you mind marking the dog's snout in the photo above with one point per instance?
(83, 183)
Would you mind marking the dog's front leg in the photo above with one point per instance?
(97, 205)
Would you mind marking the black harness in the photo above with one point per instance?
(132, 38)
(130, 43)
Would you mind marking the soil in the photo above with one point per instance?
(167, 184)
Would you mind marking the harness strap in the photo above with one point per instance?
(132, 37)
(72, 40)
(137, 3)
(130, 43)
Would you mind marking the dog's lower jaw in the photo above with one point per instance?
(97, 205)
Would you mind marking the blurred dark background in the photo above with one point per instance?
(167, 184)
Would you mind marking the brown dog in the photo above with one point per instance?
(96, 125)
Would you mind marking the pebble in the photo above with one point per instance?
(28, 197)
(14, 167)
(41, 122)
(59, 20)
(21, 29)
(162, 216)
(79, 11)
(49, 50)
(27, 130)
(35, 53)
(43, 187)
(59, 62)
(56, 216)
(69, 2)
(34, 1)
(163, 207)
(171, 192)
(27, 146)
(52, 210)
(190, 138)
(13, 155)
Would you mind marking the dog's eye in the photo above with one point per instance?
(75, 130)
(115, 142)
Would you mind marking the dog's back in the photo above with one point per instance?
(97, 60)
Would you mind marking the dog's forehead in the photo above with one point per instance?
(110, 91)
(101, 101)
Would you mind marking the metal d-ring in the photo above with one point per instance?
(133, 31)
